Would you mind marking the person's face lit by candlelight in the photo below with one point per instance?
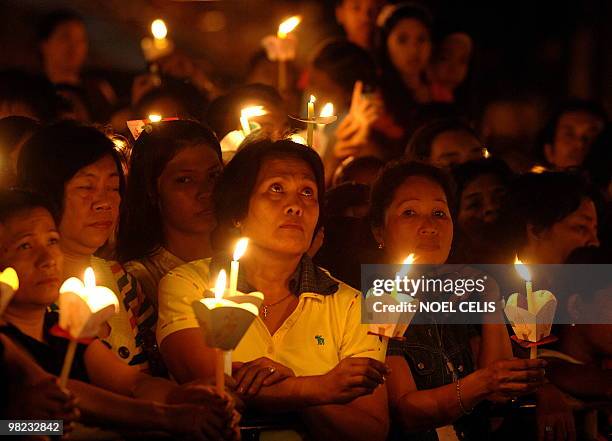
(555, 244)
(480, 201)
(91, 207)
(29, 243)
(185, 190)
(417, 220)
(454, 147)
(358, 19)
(283, 207)
(65, 49)
(409, 47)
(573, 136)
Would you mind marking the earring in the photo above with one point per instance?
(237, 224)
(381, 246)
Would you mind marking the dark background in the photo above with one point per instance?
(542, 50)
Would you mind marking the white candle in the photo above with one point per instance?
(284, 29)
(523, 271)
(310, 115)
(241, 247)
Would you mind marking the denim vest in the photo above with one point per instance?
(439, 355)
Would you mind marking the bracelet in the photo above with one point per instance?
(460, 401)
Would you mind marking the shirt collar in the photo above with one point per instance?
(307, 278)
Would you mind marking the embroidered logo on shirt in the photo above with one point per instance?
(320, 340)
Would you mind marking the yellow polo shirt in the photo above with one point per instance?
(321, 331)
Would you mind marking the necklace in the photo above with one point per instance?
(269, 305)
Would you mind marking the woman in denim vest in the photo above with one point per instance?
(441, 373)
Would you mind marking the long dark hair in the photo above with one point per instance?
(141, 224)
(398, 98)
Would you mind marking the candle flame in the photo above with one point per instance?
(327, 110)
(485, 153)
(154, 118)
(409, 259)
(288, 25)
(89, 278)
(241, 247)
(522, 269)
(249, 112)
(220, 284)
(312, 99)
(159, 29)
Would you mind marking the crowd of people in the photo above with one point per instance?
(403, 170)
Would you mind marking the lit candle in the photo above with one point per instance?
(83, 308)
(249, 112)
(310, 117)
(158, 46)
(154, 118)
(485, 153)
(284, 29)
(241, 247)
(523, 271)
(224, 322)
(326, 111)
(9, 283)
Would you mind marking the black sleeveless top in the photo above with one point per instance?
(50, 355)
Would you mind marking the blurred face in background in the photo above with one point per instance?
(574, 135)
(454, 147)
(66, 48)
(358, 18)
(409, 47)
(556, 243)
(451, 60)
(480, 203)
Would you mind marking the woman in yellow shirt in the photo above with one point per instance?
(308, 350)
